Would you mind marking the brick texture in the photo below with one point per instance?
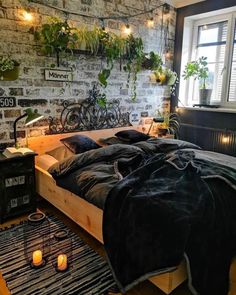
(31, 90)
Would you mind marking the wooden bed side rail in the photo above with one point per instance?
(88, 216)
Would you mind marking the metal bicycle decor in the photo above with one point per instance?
(88, 115)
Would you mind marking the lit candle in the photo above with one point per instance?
(62, 262)
(37, 258)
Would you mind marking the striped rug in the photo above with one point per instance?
(88, 275)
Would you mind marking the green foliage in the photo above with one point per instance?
(171, 122)
(152, 61)
(135, 56)
(56, 36)
(198, 70)
(7, 63)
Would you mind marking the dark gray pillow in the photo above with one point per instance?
(79, 143)
(111, 140)
(132, 136)
(60, 153)
(170, 144)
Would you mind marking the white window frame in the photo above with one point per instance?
(189, 52)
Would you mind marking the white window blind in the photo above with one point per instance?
(232, 88)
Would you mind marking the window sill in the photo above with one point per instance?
(202, 109)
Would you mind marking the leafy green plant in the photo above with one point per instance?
(198, 70)
(171, 123)
(7, 63)
(135, 56)
(113, 48)
(56, 37)
(152, 61)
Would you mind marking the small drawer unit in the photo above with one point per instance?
(17, 186)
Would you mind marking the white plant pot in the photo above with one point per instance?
(205, 96)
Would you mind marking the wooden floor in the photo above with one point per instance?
(145, 288)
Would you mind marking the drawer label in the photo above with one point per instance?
(13, 181)
(13, 203)
(26, 199)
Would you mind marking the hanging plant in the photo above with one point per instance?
(152, 61)
(135, 56)
(165, 77)
(113, 48)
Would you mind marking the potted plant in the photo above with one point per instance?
(169, 123)
(9, 69)
(198, 70)
(56, 37)
(152, 61)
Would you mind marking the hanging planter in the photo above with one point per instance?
(9, 69)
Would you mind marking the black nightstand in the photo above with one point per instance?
(17, 186)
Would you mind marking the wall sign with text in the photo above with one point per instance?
(58, 75)
(7, 102)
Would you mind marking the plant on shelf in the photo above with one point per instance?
(198, 69)
(9, 68)
(56, 37)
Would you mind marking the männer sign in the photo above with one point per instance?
(58, 75)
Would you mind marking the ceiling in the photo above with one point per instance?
(181, 3)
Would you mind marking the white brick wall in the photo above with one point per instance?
(32, 90)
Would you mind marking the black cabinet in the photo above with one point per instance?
(17, 186)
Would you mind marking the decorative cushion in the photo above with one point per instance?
(60, 153)
(80, 143)
(132, 135)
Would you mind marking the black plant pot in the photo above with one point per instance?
(205, 96)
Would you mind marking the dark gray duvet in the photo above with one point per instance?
(162, 200)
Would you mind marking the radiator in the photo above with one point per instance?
(217, 140)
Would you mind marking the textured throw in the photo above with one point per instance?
(89, 273)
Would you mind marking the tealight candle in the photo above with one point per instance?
(37, 258)
(62, 262)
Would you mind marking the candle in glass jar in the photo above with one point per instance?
(62, 262)
(37, 258)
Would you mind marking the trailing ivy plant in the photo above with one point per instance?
(113, 48)
(135, 56)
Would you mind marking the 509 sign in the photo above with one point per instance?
(7, 102)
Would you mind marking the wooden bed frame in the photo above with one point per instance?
(88, 216)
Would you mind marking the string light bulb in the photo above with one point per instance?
(167, 54)
(27, 16)
(127, 29)
(150, 22)
(103, 27)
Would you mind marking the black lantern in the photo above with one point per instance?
(37, 240)
(61, 250)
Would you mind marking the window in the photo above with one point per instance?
(214, 38)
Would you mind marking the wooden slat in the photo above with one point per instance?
(80, 211)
